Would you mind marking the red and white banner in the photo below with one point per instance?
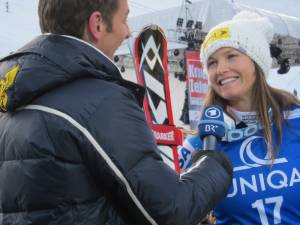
(197, 85)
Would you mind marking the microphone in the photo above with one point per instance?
(211, 126)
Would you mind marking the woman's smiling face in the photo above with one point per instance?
(232, 75)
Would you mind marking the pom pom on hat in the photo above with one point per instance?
(246, 15)
(247, 32)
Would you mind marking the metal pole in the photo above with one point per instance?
(7, 6)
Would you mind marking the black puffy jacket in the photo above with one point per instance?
(75, 148)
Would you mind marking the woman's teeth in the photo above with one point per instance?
(227, 80)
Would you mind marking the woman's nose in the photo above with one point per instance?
(222, 67)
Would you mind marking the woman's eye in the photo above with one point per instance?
(210, 63)
(231, 56)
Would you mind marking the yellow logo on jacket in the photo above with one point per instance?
(220, 33)
(5, 83)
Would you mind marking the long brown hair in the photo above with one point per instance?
(264, 98)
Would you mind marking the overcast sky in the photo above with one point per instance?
(138, 7)
(288, 7)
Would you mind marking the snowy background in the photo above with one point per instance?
(19, 23)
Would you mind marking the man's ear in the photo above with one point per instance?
(95, 25)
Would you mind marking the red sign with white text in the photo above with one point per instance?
(197, 85)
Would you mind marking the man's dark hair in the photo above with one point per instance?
(69, 17)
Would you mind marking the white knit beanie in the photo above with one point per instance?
(247, 32)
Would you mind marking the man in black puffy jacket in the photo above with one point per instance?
(74, 144)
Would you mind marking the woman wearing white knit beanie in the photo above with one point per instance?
(266, 159)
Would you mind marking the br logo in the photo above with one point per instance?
(213, 113)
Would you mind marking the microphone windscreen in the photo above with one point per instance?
(212, 122)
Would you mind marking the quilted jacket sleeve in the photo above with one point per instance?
(142, 184)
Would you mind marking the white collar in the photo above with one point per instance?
(246, 117)
(89, 44)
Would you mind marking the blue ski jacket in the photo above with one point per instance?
(262, 192)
